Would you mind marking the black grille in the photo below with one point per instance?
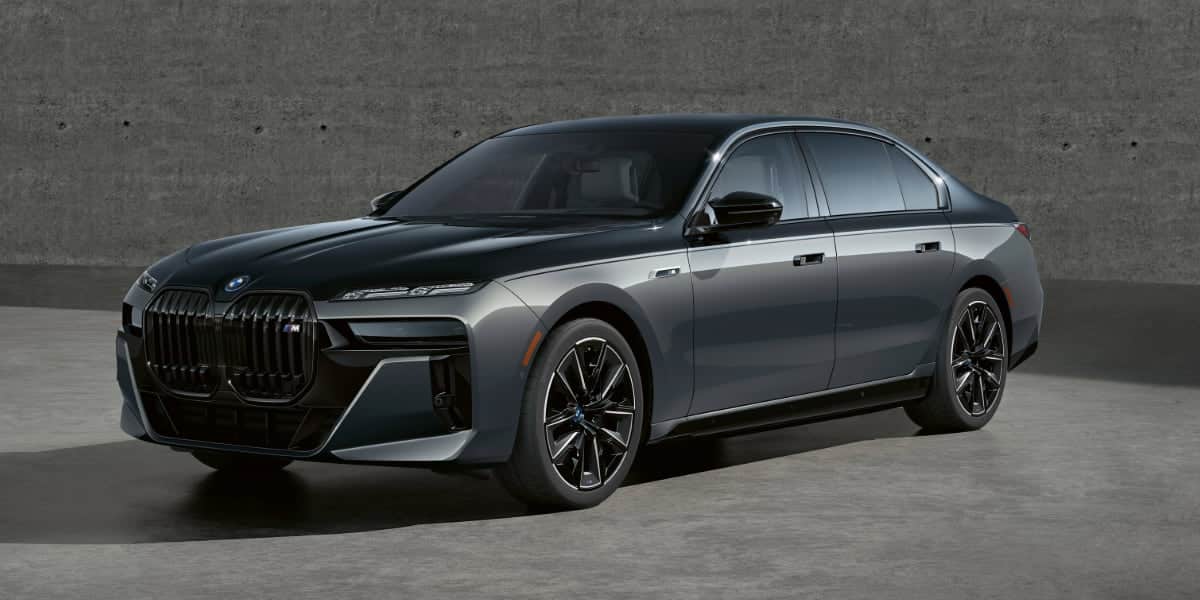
(275, 427)
(269, 342)
(179, 341)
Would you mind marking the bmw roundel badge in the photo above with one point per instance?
(237, 283)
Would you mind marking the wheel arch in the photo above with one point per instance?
(628, 328)
(996, 291)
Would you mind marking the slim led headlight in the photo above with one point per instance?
(416, 291)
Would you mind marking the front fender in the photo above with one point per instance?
(659, 307)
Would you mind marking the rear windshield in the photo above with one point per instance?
(609, 174)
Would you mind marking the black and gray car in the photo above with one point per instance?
(559, 295)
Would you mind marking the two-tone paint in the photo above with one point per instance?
(804, 319)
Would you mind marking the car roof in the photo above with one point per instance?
(716, 124)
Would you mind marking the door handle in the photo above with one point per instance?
(808, 259)
(929, 247)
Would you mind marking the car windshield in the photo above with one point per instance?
(604, 174)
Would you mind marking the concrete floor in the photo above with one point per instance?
(1086, 484)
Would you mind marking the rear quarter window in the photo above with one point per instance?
(856, 173)
(915, 187)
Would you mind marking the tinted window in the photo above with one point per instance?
(915, 186)
(856, 173)
(765, 165)
(597, 173)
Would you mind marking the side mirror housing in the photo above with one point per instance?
(737, 210)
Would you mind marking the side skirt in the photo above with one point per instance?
(807, 408)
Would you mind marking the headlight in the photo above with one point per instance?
(147, 281)
(416, 291)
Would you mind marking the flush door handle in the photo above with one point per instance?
(929, 247)
(808, 259)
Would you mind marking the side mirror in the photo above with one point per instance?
(737, 210)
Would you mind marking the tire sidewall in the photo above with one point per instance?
(531, 451)
(946, 358)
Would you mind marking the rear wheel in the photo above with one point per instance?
(972, 367)
(581, 420)
(240, 463)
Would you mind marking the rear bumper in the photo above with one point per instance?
(366, 406)
(1027, 323)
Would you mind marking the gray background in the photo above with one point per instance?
(130, 129)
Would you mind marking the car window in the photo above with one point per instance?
(765, 165)
(605, 174)
(916, 188)
(856, 173)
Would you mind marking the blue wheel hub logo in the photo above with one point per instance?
(578, 414)
(237, 283)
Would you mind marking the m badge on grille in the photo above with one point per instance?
(291, 328)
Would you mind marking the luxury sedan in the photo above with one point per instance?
(558, 296)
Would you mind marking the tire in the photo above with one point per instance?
(971, 362)
(230, 462)
(568, 454)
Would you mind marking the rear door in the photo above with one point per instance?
(764, 296)
(895, 254)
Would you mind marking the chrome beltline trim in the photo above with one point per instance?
(870, 231)
(970, 225)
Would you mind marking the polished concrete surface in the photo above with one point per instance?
(1086, 484)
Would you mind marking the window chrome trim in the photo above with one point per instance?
(694, 202)
(939, 182)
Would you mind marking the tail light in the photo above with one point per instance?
(1023, 229)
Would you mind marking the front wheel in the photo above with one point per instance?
(581, 419)
(972, 367)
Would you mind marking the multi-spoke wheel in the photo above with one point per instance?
(581, 421)
(590, 405)
(972, 367)
(978, 358)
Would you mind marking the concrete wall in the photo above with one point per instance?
(132, 128)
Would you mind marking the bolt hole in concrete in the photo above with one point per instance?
(1133, 144)
(1066, 146)
(928, 140)
(258, 129)
(125, 123)
(457, 133)
(62, 125)
(323, 127)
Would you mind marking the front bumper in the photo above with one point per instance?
(365, 405)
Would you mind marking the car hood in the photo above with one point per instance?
(329, 258)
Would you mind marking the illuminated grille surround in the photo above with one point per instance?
(264, 345)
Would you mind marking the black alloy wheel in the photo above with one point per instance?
(968, 382)
(582, 419)
(588, 413)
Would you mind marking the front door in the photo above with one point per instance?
(765, 297)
